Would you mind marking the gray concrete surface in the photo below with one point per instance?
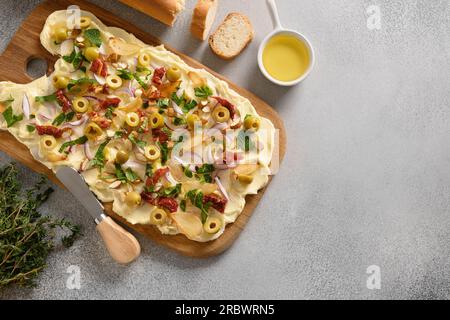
(365, 180)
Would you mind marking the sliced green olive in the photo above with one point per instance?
(80, 104)
(60, 34)
(158, 216)
(48, 142)
(251, 123)
(144, 59)
(60, 82)
(152, 152)
(132, 119)
(132, 199)
(93, 131)
(91, 53)
(85, 22)
(173, 74)
(122, 157)
(191, 120)
(221, 114)
(113, 81)
(212, 225)
(156, 120)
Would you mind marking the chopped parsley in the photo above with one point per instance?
(171, 191)
(164, 152)
(203, 92)
(179, 121)
(183, 103)
(127, 175)
(79, 82)
(75, 58)
(163, 103)
(196, 198)
(80, 140)
(99, 158)
(93, 36)
(42, 99)
(62, 117)
(8, 114)
(30, 128)
(136, 141)
(109, 113)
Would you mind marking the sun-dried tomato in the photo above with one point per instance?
(158, 74)
(63, 101)
(160, 135)
(102, 122)
(49, 130)
(217, 202)
(168, 203)
(149, 198)
(227, 104)
(99, 67)
(109, 102)
(158, 174)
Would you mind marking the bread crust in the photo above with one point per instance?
(163, 10)
(199, 18)
(217, 51)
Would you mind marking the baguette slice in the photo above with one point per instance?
(203, 18)
(165, 11)
(232, 36)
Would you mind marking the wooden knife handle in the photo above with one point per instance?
(122, 245)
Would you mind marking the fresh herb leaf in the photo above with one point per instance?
(205, 168)
(172, 191)
(109, 113)
(163, 103)
(179, 121)
(164, 151)
(42, 99)
(59, 119)
(99, 158)
(93, 36)
(188, 106)
(80, 140)
(118, 134)
(183, 205)
(30, 128)
(10, 117)
(130, 175)
(27, 237)
(140, 81)
(125, 74)
(139, 143)
(79, 82)
(75, 58)
(203, 92)
(187, 172)
(148, 170)
(196, 198)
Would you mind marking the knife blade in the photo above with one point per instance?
(122, 245)
(75, 183)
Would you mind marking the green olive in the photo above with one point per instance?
(158, 216)
(212, 225)
(85, 22)
(80, 104)
(60, 82)
(152, 152)
(251, 123)
(132, 199)
(144, 59)
(221, 114)
(156, 120)
(191, 120)
(173, 74)
(91, 53)
(60, 34)
(93, 131)
(122, 157)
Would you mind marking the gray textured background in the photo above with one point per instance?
(365, 180)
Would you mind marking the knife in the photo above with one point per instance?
(122, 245)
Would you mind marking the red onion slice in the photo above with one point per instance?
(99, 79)
(26, 106)
(92, 98)
(171, 179)
(222, 188)
(177, 108)
(87, 151)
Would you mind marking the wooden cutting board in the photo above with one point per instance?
(25, 45)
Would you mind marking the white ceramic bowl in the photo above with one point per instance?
(300, 37)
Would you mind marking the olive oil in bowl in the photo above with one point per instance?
(285, 57)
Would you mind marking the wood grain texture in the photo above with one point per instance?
(26, 45)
